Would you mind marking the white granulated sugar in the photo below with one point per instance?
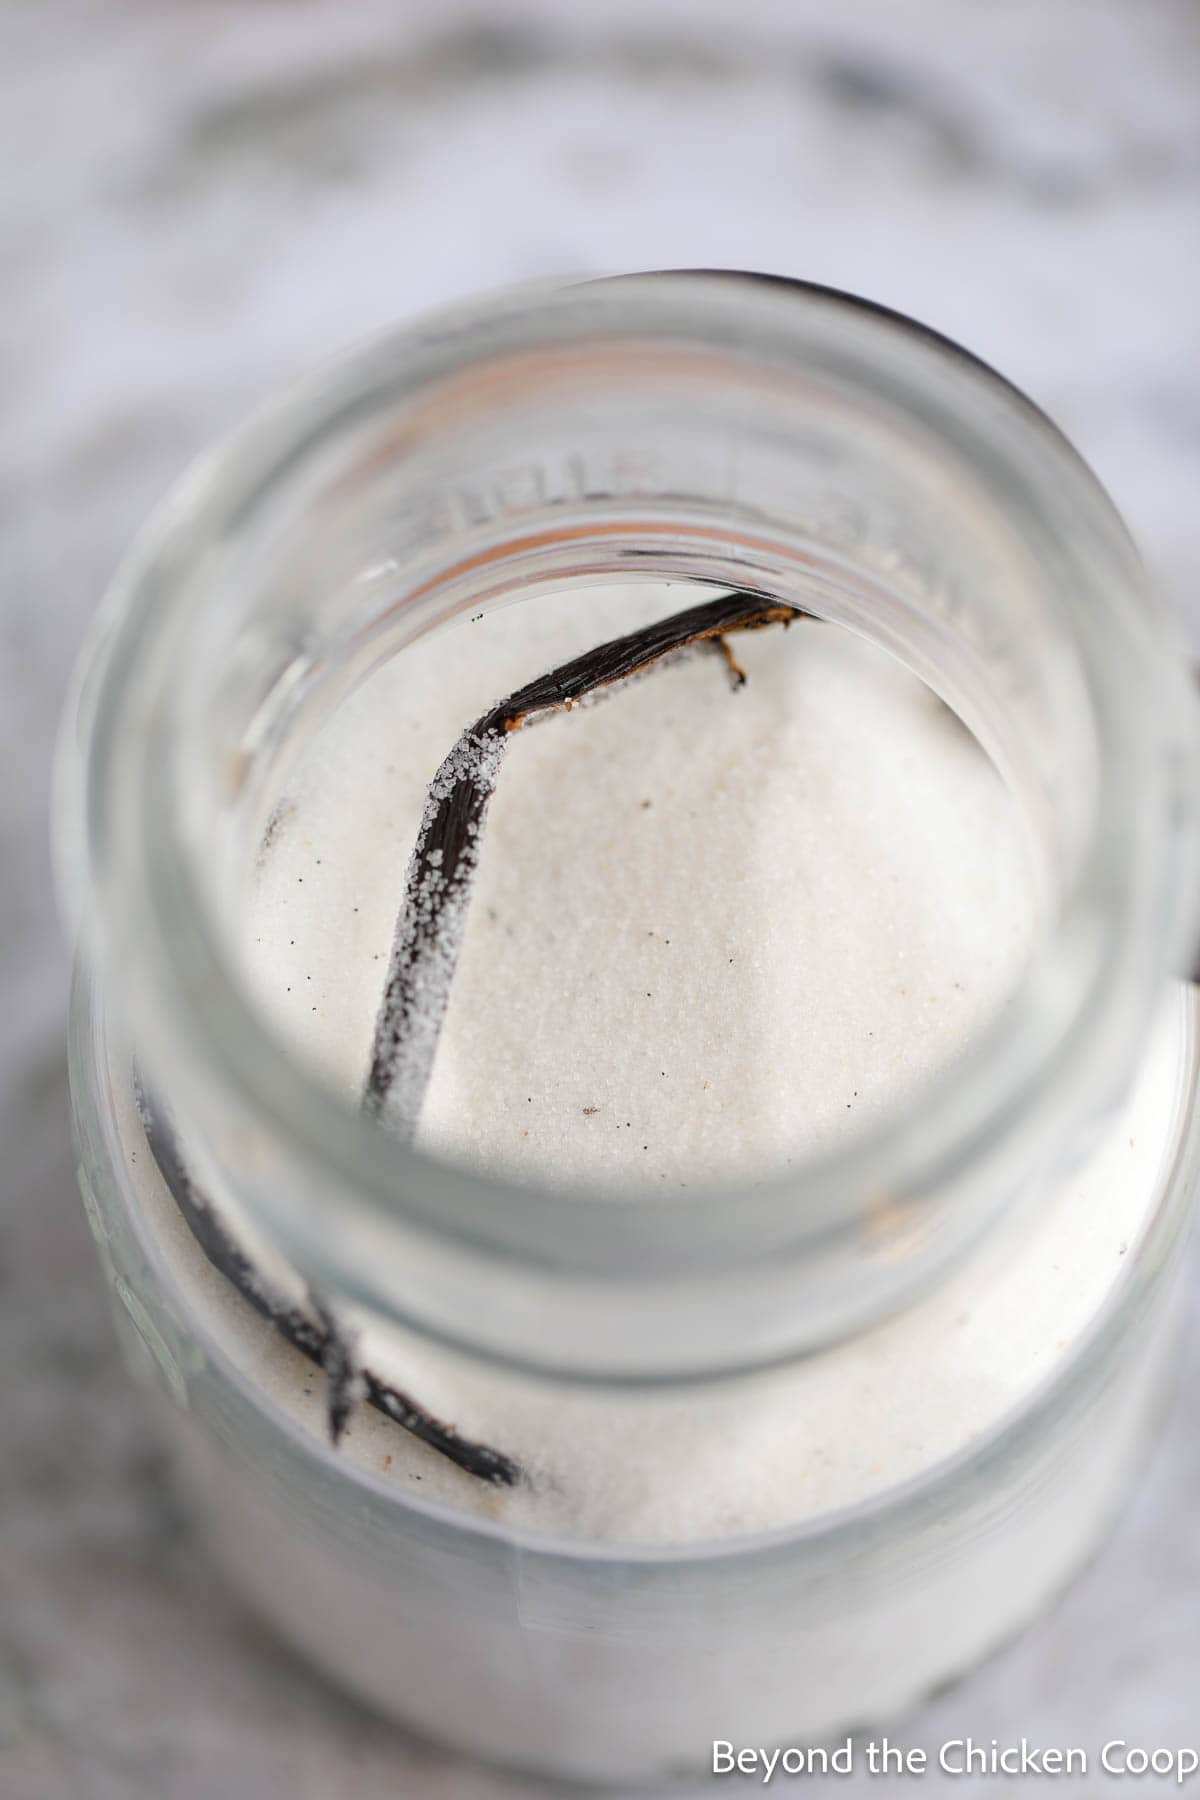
(710, 931)
(761, 1452)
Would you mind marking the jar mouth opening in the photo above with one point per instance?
(1068, 1034)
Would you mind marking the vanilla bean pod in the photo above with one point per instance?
(428, 937)
(319, 1338)
(432, 919)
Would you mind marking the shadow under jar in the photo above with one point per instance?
(814, 1333)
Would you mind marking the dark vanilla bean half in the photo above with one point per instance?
(429, 931)
(317, 1336)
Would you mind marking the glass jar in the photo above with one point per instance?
(725, 429)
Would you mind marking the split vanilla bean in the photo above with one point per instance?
(317, 1337)
(428, 938)
(432, 919)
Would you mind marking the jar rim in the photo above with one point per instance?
(1041, 1061)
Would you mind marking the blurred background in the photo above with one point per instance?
(201, 198)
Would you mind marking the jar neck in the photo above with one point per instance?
(779, 439)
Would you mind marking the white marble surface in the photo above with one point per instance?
(202, 197)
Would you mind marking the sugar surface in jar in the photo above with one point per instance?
(711, 930)
(847, 899)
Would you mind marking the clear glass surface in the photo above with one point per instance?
(735, 431)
